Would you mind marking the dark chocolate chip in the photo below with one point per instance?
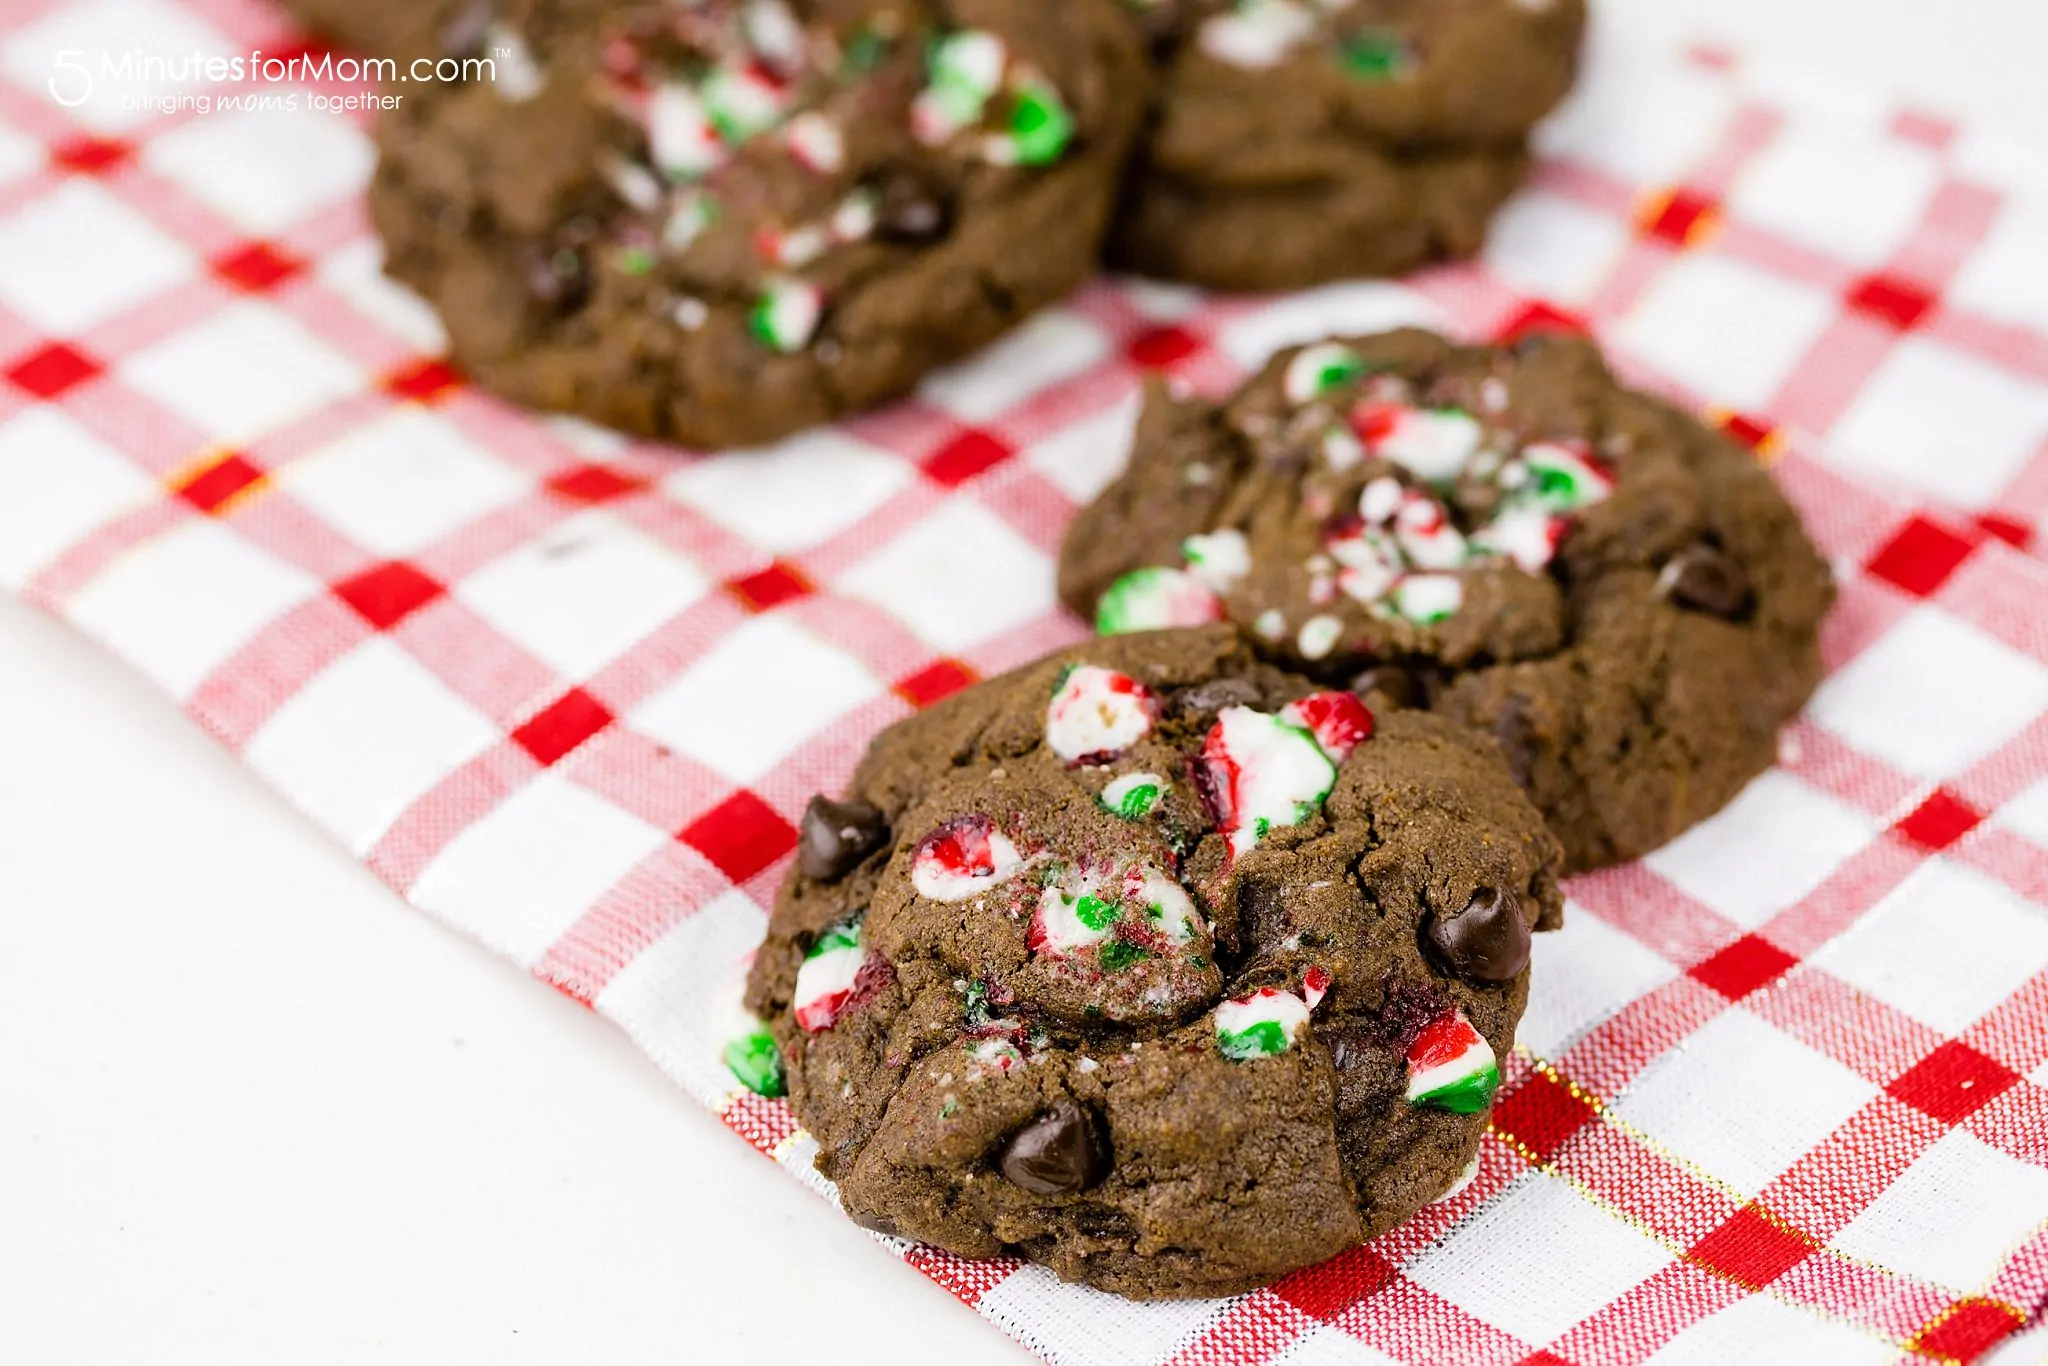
(879, 1223)
(1056, 1154)
(558, 281)
(1488, 941)
(1389, 686)
(910, 210)
(1217, 694)
(1705, 580)
(463, 35)
(836, 836)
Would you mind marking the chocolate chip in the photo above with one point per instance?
(1217, 694)
(1488, 941)
(1388, 687)
(1705, 580)
(1056, 1154)
(558, 281)
(836, 836)
(879, 1223)
(910, 210)
(463, 35)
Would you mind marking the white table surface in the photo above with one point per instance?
(255, 1109)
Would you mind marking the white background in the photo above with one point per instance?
(254, 1109)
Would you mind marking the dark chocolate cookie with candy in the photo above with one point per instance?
(724, 221)
(1154, 963)
(1507, 536)
(1299, 141)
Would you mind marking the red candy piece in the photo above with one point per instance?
(1442, 1040)
(1339, 721)
(1216, 777)
(961, 847)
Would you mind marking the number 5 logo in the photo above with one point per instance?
(70, 63)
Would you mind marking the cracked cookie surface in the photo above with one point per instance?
(1508, 536)
(1155, 964)
(724, 222)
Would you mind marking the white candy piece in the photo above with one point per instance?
(517, 76)
(816, 142)
(1097, 712)
(1074, 917)
(1168, 906)
(1427, 598)
(679, 133)
(1380, 500)
(1431, 444)
(1276, 773)
(1218, 559)
(1257, 35)
(1318, 636)
(933, 876)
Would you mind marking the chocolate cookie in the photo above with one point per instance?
(1615, 592)
(1299, 141)
(722, 222)
(1150, 962)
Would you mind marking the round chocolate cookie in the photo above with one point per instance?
(1150, 962)
(1619, 594)
(723, 222)
(1299, 141)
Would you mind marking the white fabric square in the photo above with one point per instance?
(1325, 1346)
(61, 481)
(584, 592)
(1953, 1216)
(1063, 1322)
(528, 870)
(243, 372)
(402, 481)
(2026, 814)
(1354, 308)
(1583, 973)
(1777, 841)
(793, 495)
(1053, 346)
(1547, 245)
(1855, 195)
(1923, 949)
(1538, 1258)
(1758, 1330)
(673, 997)
(112, 40)
(1773, 1099)
(356, 273)
(1933, 696)
(1943, 422)
(365, 739)
(177, 607)
(1081, 458)
(266, 169)
(1725, 329)
(2006, 277)
(1637, 113)
(18, 155)
(957, 578)
(753, 698)
(79, 255)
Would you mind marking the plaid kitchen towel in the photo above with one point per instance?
(1782, 1091)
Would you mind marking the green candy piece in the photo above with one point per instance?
(1094, 912)
(1137, 802)
(1261, 1040)
(1121, 953)
(636, 260)
(1466, 1097)
(757, 1062)
(1373, 55)
(1040, 125)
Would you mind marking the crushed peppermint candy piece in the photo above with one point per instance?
(1563, 476)
(1097, 714)
(825, 982)
(1258, 33)
(1381, 499)
(516, 76)
(1134, 795)
(1450, 1067)
(774, 34)
(965, 70)
(1083, 910)
(1342, 450)
(1258, 771)
(1315, 985)
(855, 218)
(963, 858)
(1040, 128)
(1218, 558)
(1433, 444)
(1527, 535)
(1318, 636)
(753, 1058)
(995, 1055)
(1426, 599)
(1270, 624)
(742, 103)
(633, 183)
(1321, 369)
(1154, 599)
(680, 137)
(1426, 536)
(1267, 1021)
(1070, 919)
(1338, 720)
(816, 143)
(786, 315)
(690, 213)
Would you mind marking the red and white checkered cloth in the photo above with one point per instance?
(1782, 1093)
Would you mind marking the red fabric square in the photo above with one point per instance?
(1540, 317)
(968, 1278)
(1965, 1331)
(1546, 1357)
(1329, 1288)
(91, 155)
(423, 380)
(1541, 1114)
(741, 835)
(388, 594)
(1751, 1249)
(53, 369)
(1940, 821)
(2011, 530)
(561, 726)
(1163, 346)
(1921, 557)
(1897, 302)
(936, 681)
(256, 267)
(1749, 963)
(594, 484)
(213, 486)
(965, 456)
(1753, 432)
(1680, 218)
(762, 1122)
(1953, 1082)
(771, 587)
